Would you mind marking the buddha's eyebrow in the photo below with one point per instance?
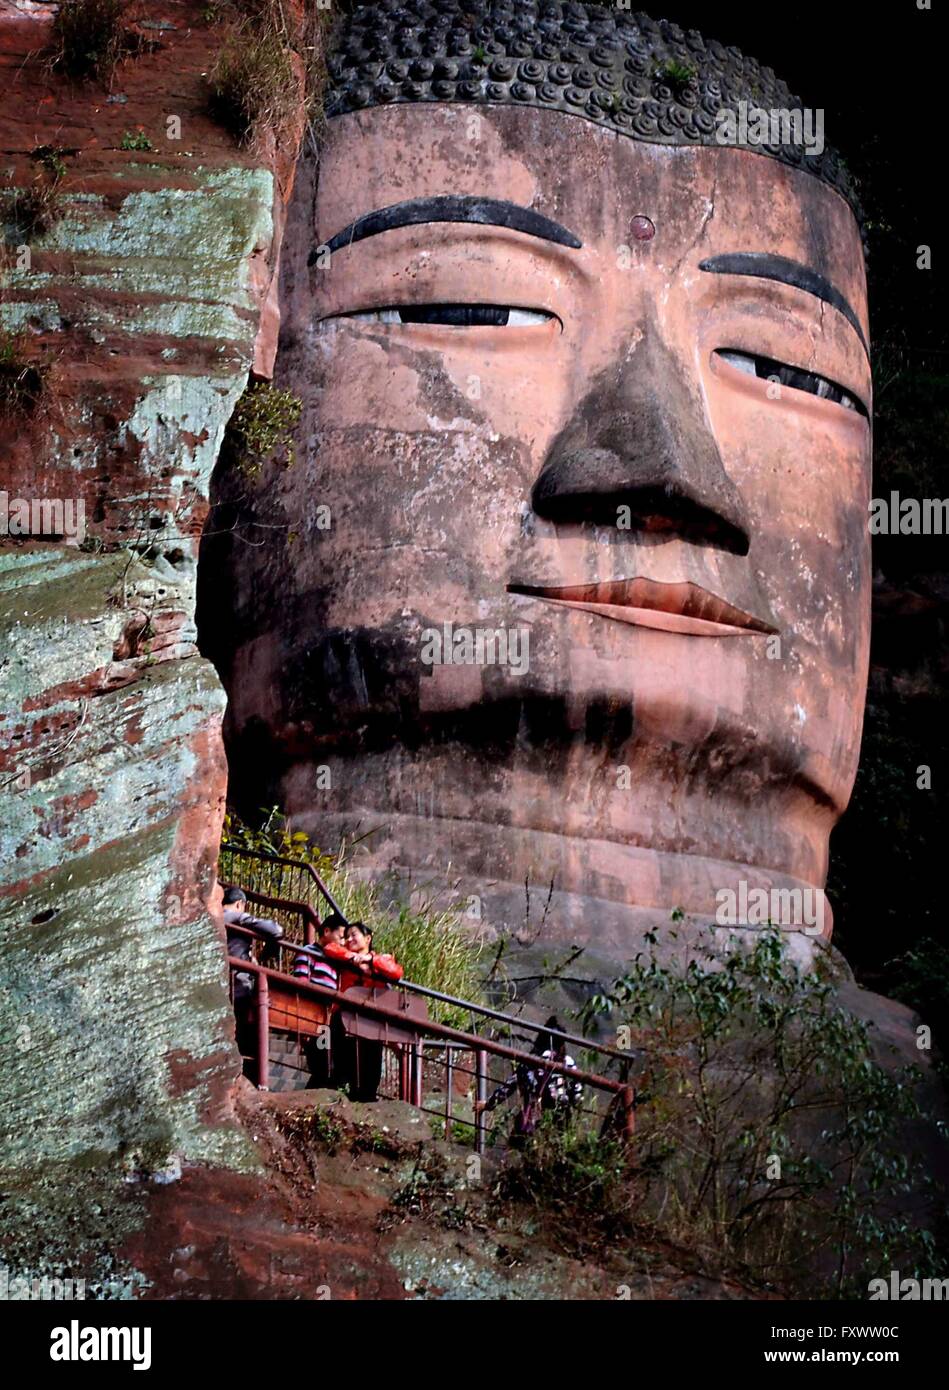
(490, 212)
(767, 267)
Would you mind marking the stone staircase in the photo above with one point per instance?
(288, 1068)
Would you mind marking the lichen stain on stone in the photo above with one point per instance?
(147, 295)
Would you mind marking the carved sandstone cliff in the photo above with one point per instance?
(143, 308)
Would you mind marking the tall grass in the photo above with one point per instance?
(271, 69)
(87, 38)
(23, 378)
(426, 938)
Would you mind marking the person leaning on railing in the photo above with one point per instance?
(319, 965)
(364, 966)
(375, 970)
(239, 945)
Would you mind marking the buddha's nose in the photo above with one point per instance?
(640, 440)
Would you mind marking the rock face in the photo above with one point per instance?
(144, 300)
(558, 594)
(140, 309)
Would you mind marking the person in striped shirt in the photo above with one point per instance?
(540, 1089)
(319, 965)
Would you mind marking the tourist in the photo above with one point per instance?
(377, 971)
(316, 963)
(325, 1055)
(540, 1088)
(239, 946)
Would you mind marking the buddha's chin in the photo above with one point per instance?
(581, 882)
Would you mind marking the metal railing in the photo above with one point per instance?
(303, 931)
(276, 876)
(407, 1035)
(487, 1039)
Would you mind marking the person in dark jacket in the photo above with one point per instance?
(239, 946)
(541, 1089)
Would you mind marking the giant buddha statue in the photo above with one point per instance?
(564, 601)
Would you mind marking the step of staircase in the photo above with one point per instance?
(288, 1068)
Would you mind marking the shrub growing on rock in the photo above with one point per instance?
(88, 37)
(270, 73)
(768, 1137)
(262, 426)
(22, 378)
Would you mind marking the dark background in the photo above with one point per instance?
(878, 73)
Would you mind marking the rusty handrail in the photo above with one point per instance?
(439, 1030)
(229, 847)
(421, 1030)
(601, 1049)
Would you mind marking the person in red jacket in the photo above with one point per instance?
(377, 971)
(366, 966)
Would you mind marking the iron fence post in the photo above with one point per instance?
(417, 1074)
(629, 1114)
(263, 1033)
(481, 1095)
(449, 1076)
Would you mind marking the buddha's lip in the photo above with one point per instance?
(683, 608)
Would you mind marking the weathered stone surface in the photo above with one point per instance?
(325, 1225)
(145, 299)
(565, 484)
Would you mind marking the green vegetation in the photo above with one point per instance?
(920, 978)
(87, 38)
(254, 86)
(136, 140)
(50, 159)
(462, 1129)
(35, 210)
(318, 1126)
(270, 70)
(431, 1193)
(262, 426)
(23, 380)
(892, 823)
(910, 421)
(427, 940)
(674, 75)
(578, 1178)
(768, 1139)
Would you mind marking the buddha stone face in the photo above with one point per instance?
(639, 454)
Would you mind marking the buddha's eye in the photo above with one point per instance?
(794, 377)
(456, 315)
